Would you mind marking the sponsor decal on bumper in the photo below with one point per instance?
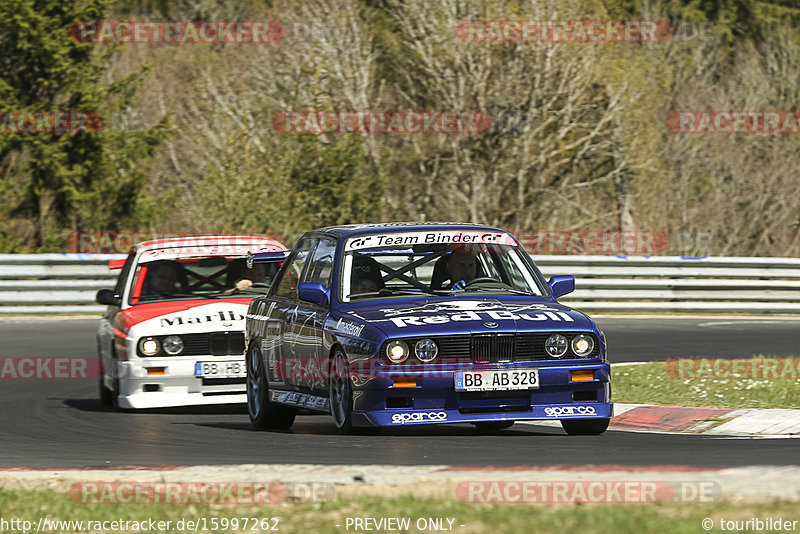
(562, 411)
(419, 417)
(537, 413)
(304, 400)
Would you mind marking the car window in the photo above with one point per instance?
(437, 263)
(321, 264)
(286, 285)
(123, 275)
(195, 278)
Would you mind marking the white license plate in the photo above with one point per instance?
(220, 369)
(496, 380)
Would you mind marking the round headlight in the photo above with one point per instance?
(149, 346)
(173, 345)
(556, 346)
(426, 350)
(397, 351)
(582, 345)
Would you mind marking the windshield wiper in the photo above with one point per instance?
(153, 298)
(490, 290)
(386, 292)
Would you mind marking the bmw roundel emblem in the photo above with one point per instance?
(490, 325)
(227, 324)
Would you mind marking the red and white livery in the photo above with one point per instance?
(173, 333)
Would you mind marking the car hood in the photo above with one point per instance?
(443, 316)
(181, 317)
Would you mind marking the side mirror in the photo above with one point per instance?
(561, 285)
(107, 297)
(313, 292)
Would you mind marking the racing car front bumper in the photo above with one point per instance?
(176, 385)
(433, 399)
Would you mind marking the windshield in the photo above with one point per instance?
(194, 278)
(435, 263)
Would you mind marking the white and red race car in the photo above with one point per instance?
(173, 333)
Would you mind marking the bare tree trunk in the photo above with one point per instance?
(624, 202)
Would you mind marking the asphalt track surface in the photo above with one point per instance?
(61, 424)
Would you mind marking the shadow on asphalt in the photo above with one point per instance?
(94, 405)
(326, 428)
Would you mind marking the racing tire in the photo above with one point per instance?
(115, 397)
(263, 414)
(106, 395)
(340, 394)
(490, 426)
(115, 382)
(585, 427)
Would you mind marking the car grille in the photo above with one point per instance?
(496, 348)
(493, 349)
(213, 343)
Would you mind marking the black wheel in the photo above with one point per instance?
(114, 391)
(340, 393)
(585, 427)
(115, 395)
(264, 414)
(106, 395)
(488, 426)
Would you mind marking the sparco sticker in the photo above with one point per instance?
(418, 417)
(558, 411)
(428, 238)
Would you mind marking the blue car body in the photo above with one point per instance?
(492, 333)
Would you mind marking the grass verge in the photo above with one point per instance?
(699, 383)
(675, 518)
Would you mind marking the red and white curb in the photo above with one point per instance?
(770, 423)
(711, 421)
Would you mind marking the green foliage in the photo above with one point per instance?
(330, 190)
(237, 174)
(78, 181)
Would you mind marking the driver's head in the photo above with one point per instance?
(256, 273)
(461, 266)
(164, 276)
(365, 285)
(365, 276)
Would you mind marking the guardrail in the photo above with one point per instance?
(53, 283)
(67, 283)
(679, 284)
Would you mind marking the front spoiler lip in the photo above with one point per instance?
(384, 417)
(152, 400)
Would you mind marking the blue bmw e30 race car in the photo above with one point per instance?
(413, 323)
